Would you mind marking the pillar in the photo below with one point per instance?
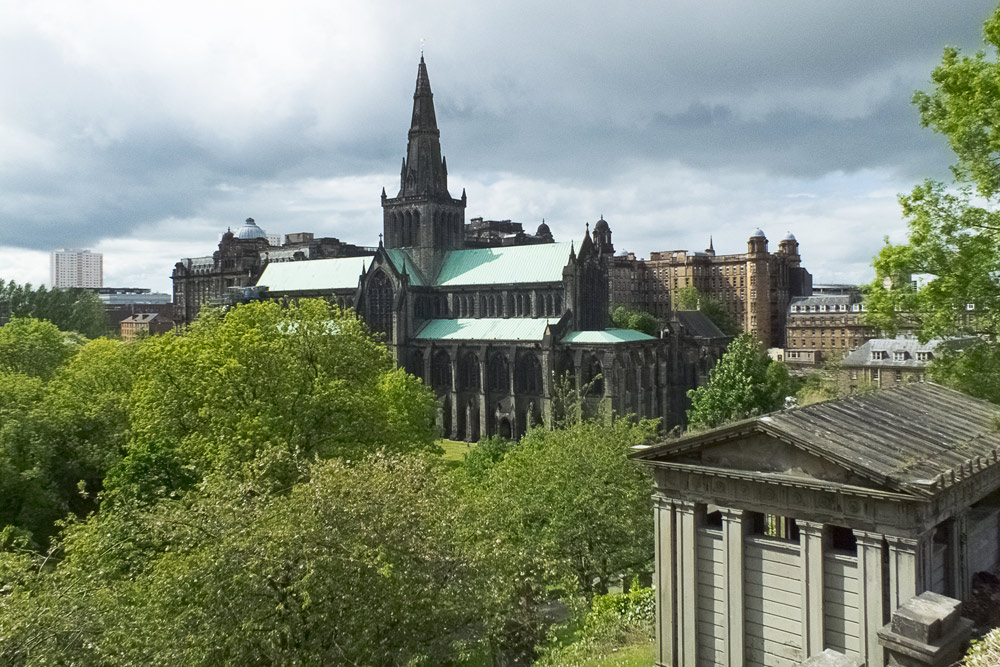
(812, 538)
(958, 533)
(733, 529)
(906, 572)
(687, 583)
(870, 595)
(666, 617)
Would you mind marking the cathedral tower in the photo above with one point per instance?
(423, 217)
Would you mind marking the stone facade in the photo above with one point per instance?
(494, 319)
(785, 535)
(827, 325)
(238, 263)
(755, 287)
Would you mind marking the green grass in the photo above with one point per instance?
(455, 450)
(634, 655)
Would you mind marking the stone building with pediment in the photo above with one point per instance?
(802, 530)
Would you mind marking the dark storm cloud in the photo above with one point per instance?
(103, 133)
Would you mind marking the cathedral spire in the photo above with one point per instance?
(424, 170)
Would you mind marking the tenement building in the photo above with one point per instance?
(493, 319)
(826, 325)
(238, 263)
(755, 287)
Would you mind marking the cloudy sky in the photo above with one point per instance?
(143, 129)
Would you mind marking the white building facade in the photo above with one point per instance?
(76, 268)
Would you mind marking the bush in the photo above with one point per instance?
(984, 652)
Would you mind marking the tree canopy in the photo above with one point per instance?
(638, 320)
(945, 281)
(745, 382)
(70, 309)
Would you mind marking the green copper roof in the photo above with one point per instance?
(314, 275)
(400, 259)
(541, 263)
(606, 337)
(515, 328)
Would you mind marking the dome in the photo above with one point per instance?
(543, 230)
(789, 237)
(250, 231)
(758, 233)
(601, 225)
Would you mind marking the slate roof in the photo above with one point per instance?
(698, 324)
(862, 357)
(606, 337)
(492, 328)
(312, 275)
(542, 263)
(919, 438)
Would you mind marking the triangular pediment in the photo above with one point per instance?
(756, 451)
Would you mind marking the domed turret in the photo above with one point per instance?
(543, 231)
(602, 237)
(788, 245)
(757, 243)
(250, 231)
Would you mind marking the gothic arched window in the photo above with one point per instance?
(529, 374)
(379, 313)
(497, 373)
(441, 370)
(468, 371)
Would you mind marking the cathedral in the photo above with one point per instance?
(493, 329)
(498, 322)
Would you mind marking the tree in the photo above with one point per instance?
(70, 309)
(638, 320)
(260, 391)
(33, 347)
(945, 281)
(556, 516)
(689, 298)
(360, 565)
(745, 382)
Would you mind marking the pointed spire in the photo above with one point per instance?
(424, 170)
(587, 233)
(572, 252)
(710, 246)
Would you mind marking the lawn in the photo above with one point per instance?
(455, 450)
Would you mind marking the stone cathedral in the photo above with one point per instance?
(492, 328)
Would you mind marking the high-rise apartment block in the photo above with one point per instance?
(77, 268)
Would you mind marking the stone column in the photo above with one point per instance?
(666, 635)
(733, 528)
(687, 583)
(870, 595)
(958, 529)
(906, 577)
(812, 538)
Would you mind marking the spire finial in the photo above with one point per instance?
(380, 240)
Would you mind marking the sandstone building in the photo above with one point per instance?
(755, 287)
(238, 263)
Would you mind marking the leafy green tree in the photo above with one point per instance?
(689, 298)
(638, 320)
(945, 281)
(70, 309)
(58, 438)
(360, 564)
(560, 515)
(745, 382)
(33, 347)
(260, 391)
